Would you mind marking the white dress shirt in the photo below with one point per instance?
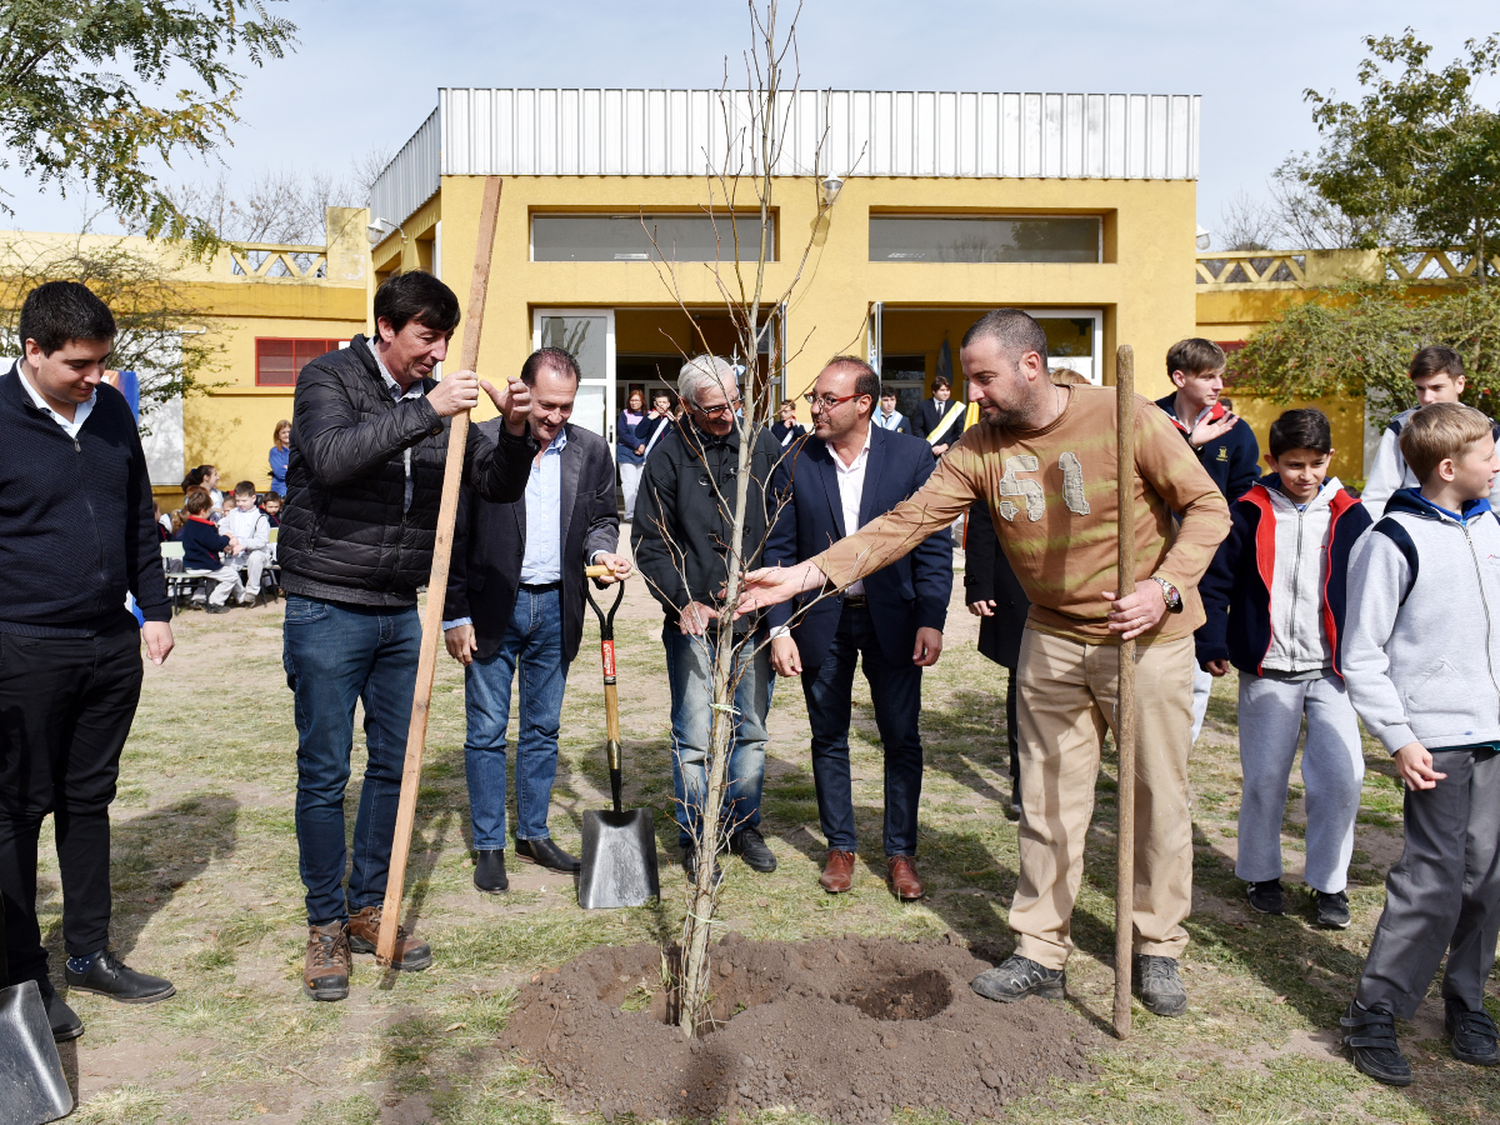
(81, 411)
(852, 491)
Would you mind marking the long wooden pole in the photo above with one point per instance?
(437, 584)
(1125, 705)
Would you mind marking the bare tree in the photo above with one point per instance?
(755, 125)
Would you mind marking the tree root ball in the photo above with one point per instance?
(851, 1030)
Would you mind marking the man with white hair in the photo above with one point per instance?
(684, 546)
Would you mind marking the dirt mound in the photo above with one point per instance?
(849, 1030)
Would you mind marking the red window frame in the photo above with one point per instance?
(280, 359)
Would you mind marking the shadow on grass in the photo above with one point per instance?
(155, 854)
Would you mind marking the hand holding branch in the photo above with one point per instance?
(454, 394)
(773, 585)
(694, 619)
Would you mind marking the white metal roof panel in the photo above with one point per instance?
(636, 132)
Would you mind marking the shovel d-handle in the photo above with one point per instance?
(611, 697)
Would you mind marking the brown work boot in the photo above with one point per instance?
(906, 884)
(411, 954)
(838, 872)
(325, 975)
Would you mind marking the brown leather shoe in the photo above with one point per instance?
(411, 955)
(838, 872)
(325, 974)
(906, 885)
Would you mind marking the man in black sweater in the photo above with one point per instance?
(77, 532)
(369, 444)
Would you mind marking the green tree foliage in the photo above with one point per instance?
(162, 334)
(76, 85)
(1358, 339)
(1416, 161)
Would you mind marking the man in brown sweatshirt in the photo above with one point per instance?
(1045, 461)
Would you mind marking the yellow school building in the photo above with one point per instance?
(896, 219)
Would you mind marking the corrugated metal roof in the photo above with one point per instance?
(861, 132)
(411, 178)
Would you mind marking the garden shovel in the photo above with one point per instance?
(619, 847)
(33, 1087)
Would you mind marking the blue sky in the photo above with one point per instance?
(366, 75)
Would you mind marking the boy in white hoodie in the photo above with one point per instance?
(248, 524)
(1421, 660)
(1275, 601)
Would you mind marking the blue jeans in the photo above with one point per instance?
(896, 691)
(689, 666)
(532, 643)
(335, 653)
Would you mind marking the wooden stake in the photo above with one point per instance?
(1125, 704)
(437, 584)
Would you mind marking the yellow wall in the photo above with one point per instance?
(1142, 287)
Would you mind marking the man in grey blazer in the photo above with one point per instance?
(515, 604)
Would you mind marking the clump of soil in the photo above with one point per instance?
(849, 1030)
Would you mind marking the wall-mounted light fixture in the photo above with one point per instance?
(381, 229)
(828, 190)
(1204, 238)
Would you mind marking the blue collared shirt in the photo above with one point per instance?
(416, 390)
(542, 562)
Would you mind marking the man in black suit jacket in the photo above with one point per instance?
(935, 411)
(848, 473)
(515, 600)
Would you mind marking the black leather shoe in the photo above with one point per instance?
(64, 1020)
(545, 853)
(489, 871)
(750, 846)
(109, 976)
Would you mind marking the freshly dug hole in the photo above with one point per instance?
(851, 1030)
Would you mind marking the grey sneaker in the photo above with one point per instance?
(1266, 897)
(1333, 910)
(1018, 977)
(1371, 1039)
(1475, 1039)
(1160, 985)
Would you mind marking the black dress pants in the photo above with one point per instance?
(65, 710)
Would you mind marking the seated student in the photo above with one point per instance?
(249, 526)
(201, 544)
(271, 506)
(1275, 603)
(1420, 659)
(1437, 375)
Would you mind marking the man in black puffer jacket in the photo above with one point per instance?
(369, 442)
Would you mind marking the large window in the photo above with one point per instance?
(278, 362)
(638, 238)
(983, 238)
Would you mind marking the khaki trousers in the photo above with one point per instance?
(1068, 696)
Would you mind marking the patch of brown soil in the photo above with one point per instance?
(849, 1030)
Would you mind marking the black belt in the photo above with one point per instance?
(855, 601)
(540, 587)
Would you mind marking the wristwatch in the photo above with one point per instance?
(1170, 592)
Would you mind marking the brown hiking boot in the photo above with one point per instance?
(411, 954)
(325, 976)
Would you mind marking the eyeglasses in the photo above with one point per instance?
(717, 411)
(827, 402)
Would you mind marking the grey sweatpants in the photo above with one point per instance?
(1333, 766)
(1444, 891)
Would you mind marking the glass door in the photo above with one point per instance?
(588, 335)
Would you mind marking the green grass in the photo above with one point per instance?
(207, 892)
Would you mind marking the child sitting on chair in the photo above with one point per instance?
(201, 544)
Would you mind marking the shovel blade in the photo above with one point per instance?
(619, 860)
(33, 1087)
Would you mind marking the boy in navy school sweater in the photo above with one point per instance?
(201, 544)
(1420, 658)
(1275, 603)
